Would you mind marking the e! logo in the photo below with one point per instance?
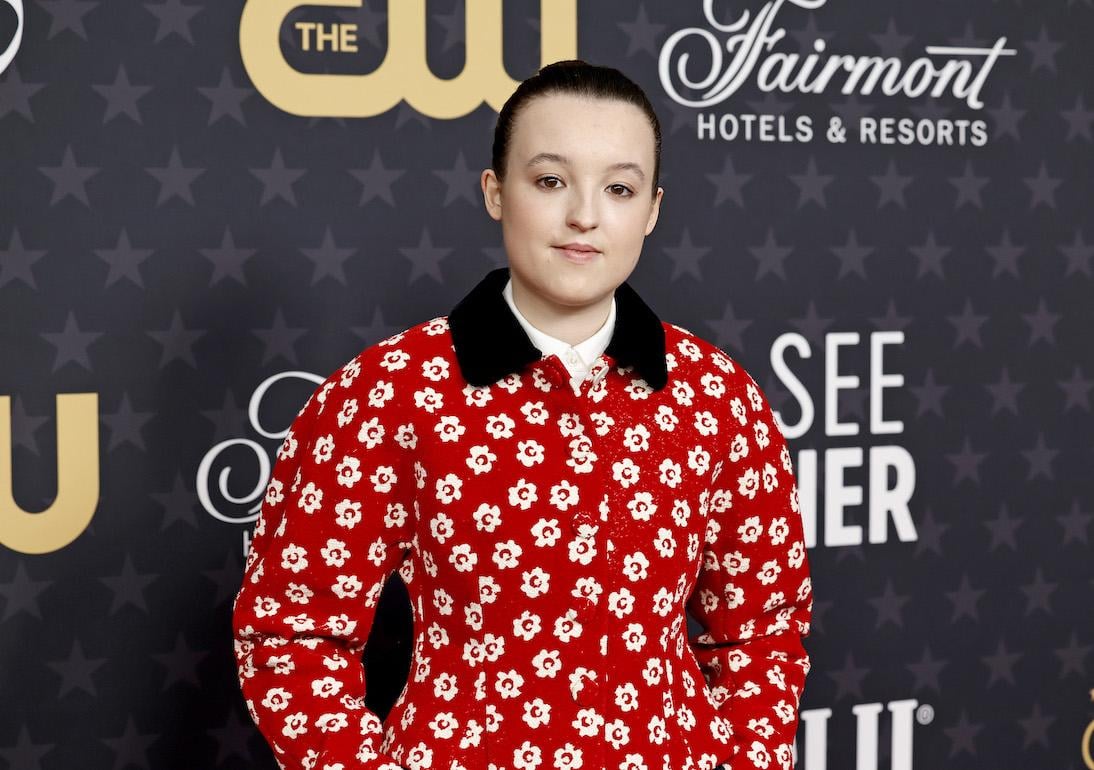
(404, 72)
(13, 47)
(77, 479)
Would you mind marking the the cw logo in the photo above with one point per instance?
(404, 72)
(13, 47)
(77, 479)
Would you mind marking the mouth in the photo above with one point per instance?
(577, 252)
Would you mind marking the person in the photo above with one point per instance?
(560, 478)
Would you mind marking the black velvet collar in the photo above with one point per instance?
(490, 343)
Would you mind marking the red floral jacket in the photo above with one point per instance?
(550, 539)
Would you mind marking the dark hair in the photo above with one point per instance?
(573, 76)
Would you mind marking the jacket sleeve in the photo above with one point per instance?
(753, 595)
(335, 522)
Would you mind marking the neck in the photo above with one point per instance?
(571, 324)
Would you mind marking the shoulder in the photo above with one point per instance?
(694, 358)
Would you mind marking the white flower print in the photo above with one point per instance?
(449, 428)
(311, 498)
(274, 492)
(463, 558)
(546, 532)
(480, 459)
(507, 554)
(348, 471)
(487, 517)
(277, 699)
(665, 419)
(294, 558)
(778, 530)
(508, 684)
(348, 412)
(737, 410)
(535, 413)
(634, 638)
(500, 426)
(670, 473)
(299, 593)
(769, 573)
(335, 553)
(327, 687)
(626, 472)
(750, 529)
(435, 369)
(748, 483)
(523, 494)
(295, 725)
(547, 663)
(527, 756)
(535, 582)
(347, 586)
(265, 606)
(442, 527)
(428, 399)
(635, 566)
(762, 437)
(641, 506)
(626, 696)
(323, 449)
(537, 713)
(527, 625)
(529, 453)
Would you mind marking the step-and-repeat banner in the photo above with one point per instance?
(882, 210)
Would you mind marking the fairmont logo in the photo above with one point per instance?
(959, 70)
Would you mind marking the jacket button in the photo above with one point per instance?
(588, 694)
(583, 519)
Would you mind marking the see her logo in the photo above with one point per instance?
(17, 38)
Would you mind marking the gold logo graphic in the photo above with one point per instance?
(404, 72)
(77, 479)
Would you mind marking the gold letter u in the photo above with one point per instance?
(77, 479)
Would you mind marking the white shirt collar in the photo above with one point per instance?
(589, 350)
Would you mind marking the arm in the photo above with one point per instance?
(335, 522)
(754, 594)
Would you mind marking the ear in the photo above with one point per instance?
(491, 193)
(655, 210)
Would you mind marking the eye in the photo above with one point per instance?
(544, 179)
(621, 190)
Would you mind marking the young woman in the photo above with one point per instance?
(557, 475)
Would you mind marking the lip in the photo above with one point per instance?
(578, 252)
(577, 246)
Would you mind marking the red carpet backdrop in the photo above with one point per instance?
(882, 210)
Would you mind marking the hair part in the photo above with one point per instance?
(577, 77)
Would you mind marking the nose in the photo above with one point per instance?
(582, 214)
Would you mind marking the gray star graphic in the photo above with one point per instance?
(967, 325)
(1075, 524)
(71, 343)
(681, 116)
(968, 187)
(16, 261)
(329, 259)
(25, 754)
(125, 424)
(1040, 459)
(1004, 393)
(888, 606)
(852, 109)
(1078, 120)
(1035, 727)
(76, 671)
(1002, 529)
(851, 404)
(964, 600)
(929, 534)
(1043, 187)
(1005, 255)
(967, 463)
(369, 22)
(453, 24)
(891, 186)
(277, 180)
(686, 257)
(1001, 664)
(174, 18)
(376, 180)
(175, 179)
(128, 587)
(852, 256)
(820, 609)
(20, 594)
(892, 43)
(228, 259)
(729, 329)
(67, 14)
(1041, 323)
(177, 341)
(812, 326)
(926, 672)
(178, 502)
(642, 34)
(1073, 657)
(131, 747)
(770, 256)
(278, 340)
(69, 179)
(930, 256)
(232, 738)
(425, 258)
(1006, 118)
(405, 113)
(226, 99)
(891, 321)
(496, 255)
(1077, 389)
(929, 395)
(849, 678)
(376, 330)
(1044, 51)
(15, 94)
(1037, 592)
(121, 97)
(24, 426)
(181, 663)
(963, 735)
(1078, 255)
(124, 261)
(809, 33)
(728, 183)
(811, 184)
(226, 578)
(462, 183)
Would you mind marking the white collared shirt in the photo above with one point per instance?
(578, 358)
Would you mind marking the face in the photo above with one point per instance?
(579, 173)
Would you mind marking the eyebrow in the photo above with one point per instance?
(553, 157)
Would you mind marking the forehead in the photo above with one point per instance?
(582, 127)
